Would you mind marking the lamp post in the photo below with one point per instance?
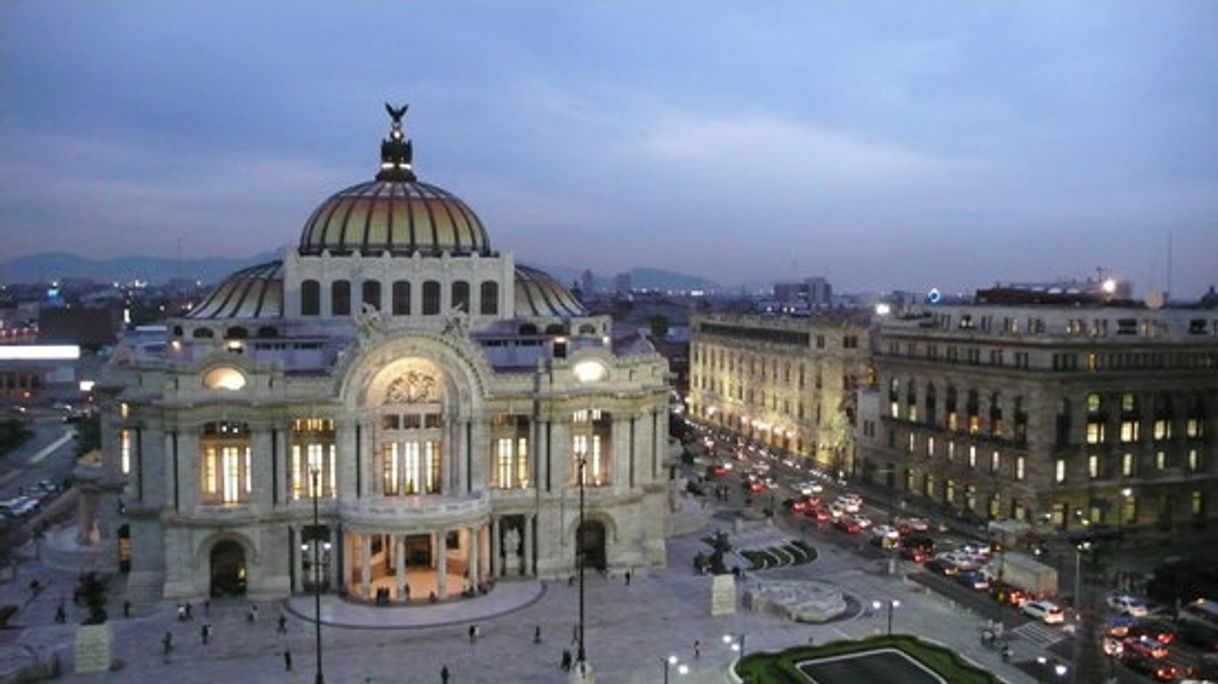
(892, 604)
(682, 668)
(1078, 577)
(581, 655)
(735, 642)
(315, 481)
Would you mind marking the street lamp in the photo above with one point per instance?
(1078, 577)
(682, 668)
(1126, 494)
(892, 604)
(735, 642)
(581, 655)
(315, 481)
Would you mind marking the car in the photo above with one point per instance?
(820, 513)
(863, 521)
(973, 580)
(915, 554)
(48, 486)
(846, 524)
(907, 525)
(1145, 647)
(1009, 595)
(925, 543)
(810, 487)
(756, 486)
(1112, 647)
(1156, 670)
(941, 566)
(1152, 629)
(1045, 611)
(1128, 605)
(837, 510)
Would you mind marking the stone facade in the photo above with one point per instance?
(438, 440)
(786, 382)
(1060, 416)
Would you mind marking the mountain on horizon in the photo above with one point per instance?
(48, 266)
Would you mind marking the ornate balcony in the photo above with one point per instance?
(409, 512)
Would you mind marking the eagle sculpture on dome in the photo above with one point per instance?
(396, 113)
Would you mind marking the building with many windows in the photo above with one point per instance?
(1059, 415)
(786, 382)
(439, 402)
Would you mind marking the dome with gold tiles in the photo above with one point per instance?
(394, 213)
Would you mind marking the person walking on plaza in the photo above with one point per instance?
(697, 649)
(287, 660)
(283, 625)
(444, 674)
(60, 615)
(205, 633)
(167, 642)
(473, 633)
(126, 609)
(627, 576)
(566, 661)
(537, 634)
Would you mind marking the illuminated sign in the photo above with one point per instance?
(39, 352)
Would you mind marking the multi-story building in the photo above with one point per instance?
(786, 382)
(438, 402)
(1057, 415)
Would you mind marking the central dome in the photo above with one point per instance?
(394, 213)
(396, 216)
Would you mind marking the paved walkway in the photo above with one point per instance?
(630, 629)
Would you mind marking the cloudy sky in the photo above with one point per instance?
(883, 144)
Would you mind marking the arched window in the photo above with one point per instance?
(340, 298)
(236, 333)
(930, 403)
(1094, 405)
(177, 331)
(431, 298)
(555, 329)
(401, 298)
(460, 296)
(490, 298)
(203, 333)
(310, 298)
(268, 331)
(527, 329)
(372, 293)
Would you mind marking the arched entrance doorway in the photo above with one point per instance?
(227, 568)
(590, 542)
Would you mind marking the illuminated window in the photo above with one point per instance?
(579, 446)
(410, 468)
(1093, 466)
(390, 474)
(1162, 428)
(230, 458)
(1059, 470)
(1160, 460)
(1127, 465)
(503, 462)
(930, 446)
(209, 471)
(1196, 503)
(909, 446)
(1019, 465)
(227, 472)
(995, 462)
(1093, 403)
(1095, 432)
(1194, 462)
(951, 450)
(972, 456)
(432, 454)
(1129, 403)
(522, 461)
(1193, 428)
(1130, 430)
(124, 410)
(313, 447)
(224, 378)
(124, 447)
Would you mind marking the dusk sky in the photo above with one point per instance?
(882, 144)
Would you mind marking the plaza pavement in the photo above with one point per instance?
(629, 628)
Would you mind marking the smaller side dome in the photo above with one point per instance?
(540, 295)
(251, 293)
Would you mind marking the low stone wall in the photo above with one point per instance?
(801, 601)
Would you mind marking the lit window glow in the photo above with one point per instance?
(224, 378)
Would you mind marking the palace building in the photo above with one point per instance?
(439, 403)
(1062, 414)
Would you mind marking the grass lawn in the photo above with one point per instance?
(788, 667)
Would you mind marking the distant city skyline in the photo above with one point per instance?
(881, 145)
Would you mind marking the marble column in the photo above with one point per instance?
(349, 539)
(471, 557)
(527, 561)
(298, 554)
(441, 564)
(495, 563)
(399, 564)
(484, 551)
(365, 567)
(190, 460)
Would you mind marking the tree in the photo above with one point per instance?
(659, 326)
